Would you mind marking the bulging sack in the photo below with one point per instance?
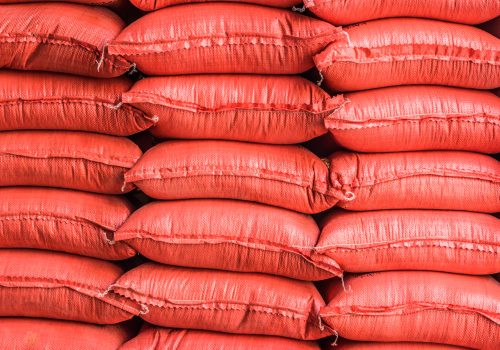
(182, 339)
(413, 118)
(405, 51)
(216, 234)
(254, 108)
(223, 38)
(38, 334)
(35, 283)
(449, 241)
(365, 345)
(50, 101)
(49, 37)
(290, 177)
(355, 11)
(63, 220)
(107, 3)
(417, 306)
(230, 302)
(66, 159)
(153, 5)
(449, 180)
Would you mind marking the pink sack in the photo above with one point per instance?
(416, 306)
(358, 345)
(413, 118)
(153, 5)
(254, 108)
(449, 241)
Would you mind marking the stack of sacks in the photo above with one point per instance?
(63, 156)
(426, 208)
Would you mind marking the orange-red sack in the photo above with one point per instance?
(36, 283)
(254, 108)
(404, 51)
(182, 339)
(33, 101)
(417, 180)
(153, 5)
(344, 12)
(449, 241)
(41, 334)
(60, 37)
(290, 177)
(350, 345)
(412, 118)
(228, 235)
(232, 302)
(418, 306)
(223, 38)
(74, 160)
(63, 220)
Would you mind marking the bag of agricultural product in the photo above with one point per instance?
(153, 5)
(417, 180)
(254, 108)
(230, 302)
(403, 51)
(412, 118)
(416, 306)
(36, 283)
(41, 334)
(290, 177)
(357, 345)
(33, 100)
(107, 3)
(223, 38)
(66, 159)
(449, 241)
(60, 37)
(344, 12)
(63, 220)
(228, 235)
(183, 339)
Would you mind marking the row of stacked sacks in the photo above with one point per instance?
(245, 243)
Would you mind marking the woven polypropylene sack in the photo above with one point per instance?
(290, 177)
(66, 159)
(63, 220)
(153, 5)
(216, 234)
(230, 302)
(450, 180)
(181, 339)
(41, 334)
(344, 12)
(438, 240)
(357, 345)
(223, 38)
(418, 306)
(254, 108)
(107, 3)
(413, 118)
(54, 101)
(403, 51)
(49, 37)
(36, 283)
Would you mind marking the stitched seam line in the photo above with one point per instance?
(93, 158)
(38, 217)
(436, 245)
(55, 282)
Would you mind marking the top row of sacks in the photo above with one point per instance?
(243, 38)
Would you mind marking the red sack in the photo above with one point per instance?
(417, 180)
(404, 51)
(60, 286)
(75, 160)
(355, 11)
(164, 338)
(244, 303)
(349, 345)
(290, 177)
(412, 118)
(59, 37)
(40, 334)
(417, 306)
(223, 38)
(254, 108)
(450, 241)
(107, 3)
(63, 220)
(217, 234)
(152, 5)
(64, 102)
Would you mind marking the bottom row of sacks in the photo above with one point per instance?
(393, 306)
